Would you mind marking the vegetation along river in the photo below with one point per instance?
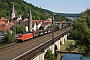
(74, 57)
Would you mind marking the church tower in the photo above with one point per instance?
(30, 22)
(13, 12)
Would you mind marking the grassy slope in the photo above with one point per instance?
(63, 47)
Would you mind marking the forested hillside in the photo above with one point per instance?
(23, 8)
(70, 14)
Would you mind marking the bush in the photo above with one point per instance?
(9, 37)
(49, 55)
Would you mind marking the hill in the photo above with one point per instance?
(23, 8)
(69, 14)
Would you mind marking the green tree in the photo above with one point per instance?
(20, 29)
(81, 32)
(86, 16)
(49, 55)
(9, 37)
(83, 49)
(60, 18)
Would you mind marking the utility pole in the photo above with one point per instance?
(52, 27)
(15, 29)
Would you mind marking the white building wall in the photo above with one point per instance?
(26, 28)
(34, 28)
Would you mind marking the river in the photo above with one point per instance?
(74, 57)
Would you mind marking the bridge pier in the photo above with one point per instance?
(36, 58)
(58, 44)
(63, 39)
(65, 36)
(41, 56)
(58, 56)
(52, 49)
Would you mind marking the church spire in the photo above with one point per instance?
(13, 9)
(13, 12)
(30, 22)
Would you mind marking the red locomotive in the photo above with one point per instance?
(23, 37)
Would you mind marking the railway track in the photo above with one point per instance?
(11, 52)
(22, 47)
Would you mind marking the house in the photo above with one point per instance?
(38, 23)
(5, 25)
(30, 24)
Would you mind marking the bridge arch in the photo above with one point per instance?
(55, 47)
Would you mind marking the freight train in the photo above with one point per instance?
(26, 36)
(23, 37)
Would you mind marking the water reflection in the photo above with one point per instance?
(74, 57)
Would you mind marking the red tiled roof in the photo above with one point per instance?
(4, 26)
(2, 22)
(63, 21)
(38, 21)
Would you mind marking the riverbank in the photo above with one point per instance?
(63, 47)
(74, 57)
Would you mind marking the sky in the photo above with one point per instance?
(62, 6)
